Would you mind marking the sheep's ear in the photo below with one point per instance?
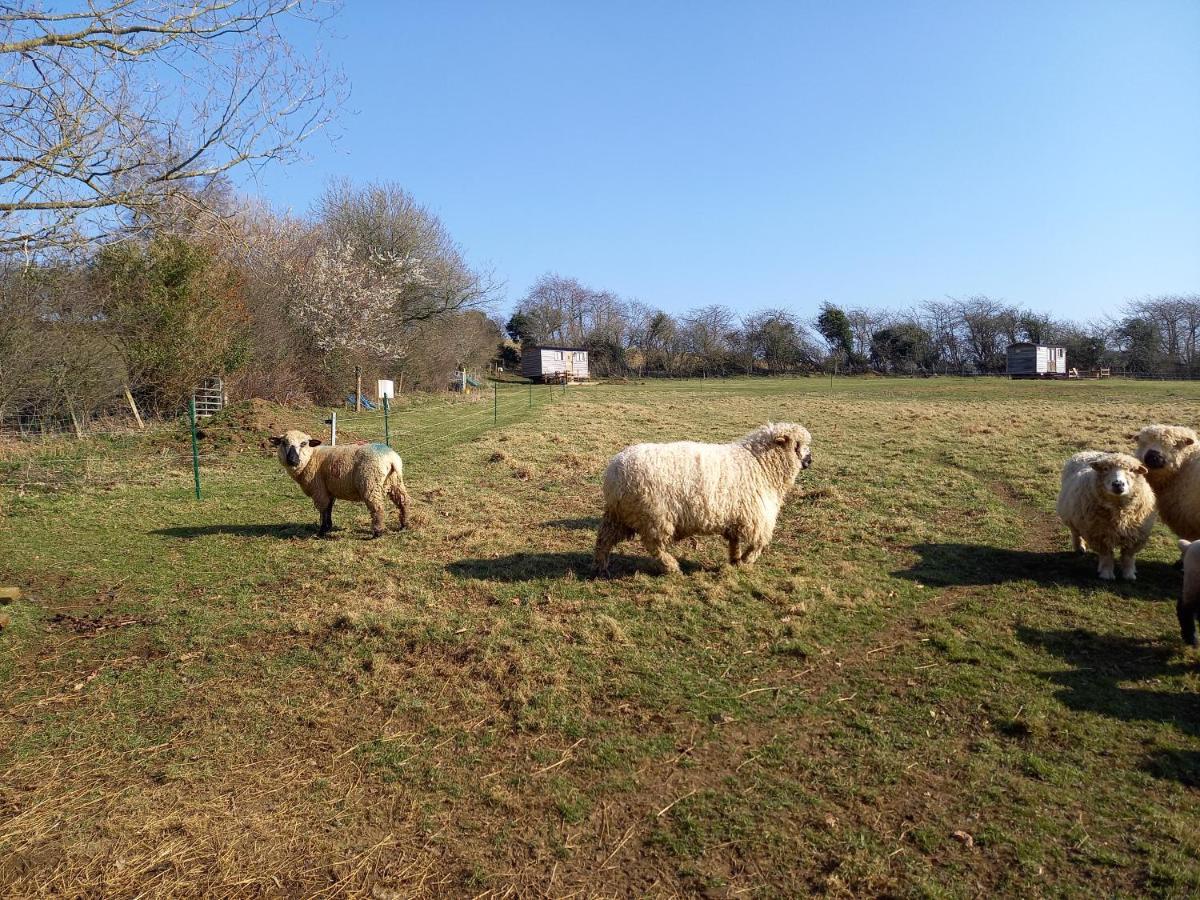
(1099, 465)
(1187, 442)
(1141, 470)
(276, 441)
(1133, 436)
(314, 442)
(782, 439)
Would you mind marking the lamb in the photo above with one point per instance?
(1187, 608)
(667, 492)
(1172, 456)
(1108, 506)
(363, 473)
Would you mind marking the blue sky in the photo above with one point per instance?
(779, 154)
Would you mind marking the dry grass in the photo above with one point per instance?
(226, 706)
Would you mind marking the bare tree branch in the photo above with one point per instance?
(109, 108)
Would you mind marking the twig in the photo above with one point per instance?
(659, 814)
(887, 647)
(620, 844)
(566, 755)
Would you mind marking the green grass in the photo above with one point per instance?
(916, 691)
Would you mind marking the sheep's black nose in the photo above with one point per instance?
(806, 462)
(293, 456)
(1154, 460)
(1118, 487)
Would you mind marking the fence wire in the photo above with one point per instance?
(43, 460)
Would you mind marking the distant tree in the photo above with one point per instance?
(520, 329)
(904, 347)
(834, 327)
(707, 335)
(508, 356)
(1086, 346)
(388, 232)
(1141, 341)
(985, 324)
(777, 338)
(175, 311)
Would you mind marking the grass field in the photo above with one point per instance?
(917, 690)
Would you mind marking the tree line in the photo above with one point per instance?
(967, 335)
(130, 268)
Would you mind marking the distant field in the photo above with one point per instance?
(917, 690)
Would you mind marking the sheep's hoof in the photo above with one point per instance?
(375, 535)
(1108, 576)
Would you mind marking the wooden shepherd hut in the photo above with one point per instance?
(554, 363)
(1028, 360)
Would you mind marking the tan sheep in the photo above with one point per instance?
(1187, 608)
(1172, 456)
(362, 473)
(1108, 506)
(666, 492)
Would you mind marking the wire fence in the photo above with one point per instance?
(176, 453)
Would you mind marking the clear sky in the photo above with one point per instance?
(778, 154)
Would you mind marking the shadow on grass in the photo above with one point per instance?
(590, 523)
(955, 564)
(1102, 665)
(532, 566)
(277, 530)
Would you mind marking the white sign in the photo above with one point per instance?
(385, 388)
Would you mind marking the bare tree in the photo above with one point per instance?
(109, 106)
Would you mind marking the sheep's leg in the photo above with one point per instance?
(1185, 611)
(610, 534)
(1107, 564)
(378, 515)
(1077, 542)
(1129, 565)
(735, 550)
(656, 545)
(324, 505)
(399, 496)
(751, 553)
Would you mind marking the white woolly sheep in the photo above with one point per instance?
(1108, 506)
(362, 473)
(666, 492)
(1172, 456)
(1187, 608)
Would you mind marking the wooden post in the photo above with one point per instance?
(400, 384)
(133, 406)
(74, 418)
(358, 388)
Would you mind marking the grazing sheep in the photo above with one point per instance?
(1108, 506)
(1172, 456)
(362, 473)
(666, 492)
(1188, 607)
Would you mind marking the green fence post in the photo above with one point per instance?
(495, 402)
(195, 446)
(387, 432)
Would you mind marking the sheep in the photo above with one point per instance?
(667, 492)
(1172, 456)
(1108, 506)
(362, 473)
(1187, 608)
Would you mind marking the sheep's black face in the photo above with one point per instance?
(292, 456)
(1154, 459)
(805, 457)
